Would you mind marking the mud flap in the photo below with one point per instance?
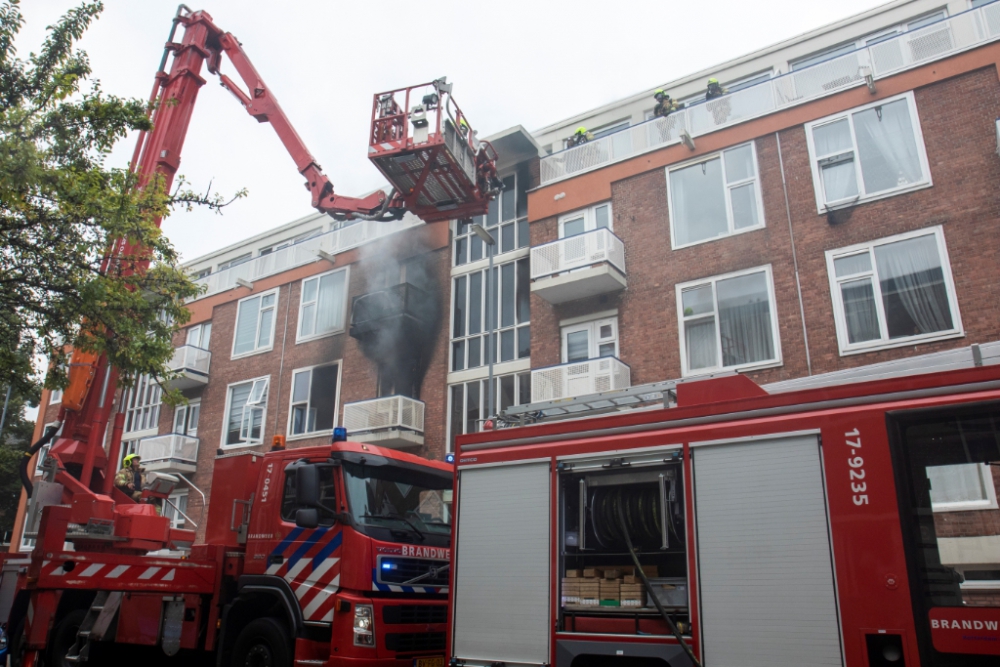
(173, 621)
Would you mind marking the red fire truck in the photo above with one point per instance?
(786, 525)
(322, 555)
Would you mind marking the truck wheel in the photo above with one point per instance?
(15, 644)
(263, 643)
(63, 637)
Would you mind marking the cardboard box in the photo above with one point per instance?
(573, 574)
(612, 573)
(632, 579)
(593, 572)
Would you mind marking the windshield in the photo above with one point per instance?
(399, 499)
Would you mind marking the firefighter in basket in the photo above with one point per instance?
(129, 478)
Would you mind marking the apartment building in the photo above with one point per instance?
(836, 209)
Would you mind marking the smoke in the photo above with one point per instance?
(397, 318)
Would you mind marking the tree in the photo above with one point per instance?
(62, 209)
(15, 438)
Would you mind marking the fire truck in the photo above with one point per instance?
(715, 521)
(326, 555)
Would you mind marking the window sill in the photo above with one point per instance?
(714, 238)
(309, 339)
(970, 506)
(139, 435)
(483, 372)
(823, 207)
(903, 342)
(747, 368)
(241, 445)
(307, 436)
(244, 355)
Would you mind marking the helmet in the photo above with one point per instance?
(128, 459)
(581, 130)
(659, 95)
(713, 81)
(462, 122)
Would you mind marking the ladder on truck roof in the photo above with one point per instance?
(664, 394)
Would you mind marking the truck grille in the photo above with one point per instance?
(411, 642)
(415, 613)
(399, 570)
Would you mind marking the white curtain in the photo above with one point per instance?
(910, 275)
(330, 302)
(886, 147)
(956, 483)
(745, 320)
(699, 339)
(859, 310)
(839, 181)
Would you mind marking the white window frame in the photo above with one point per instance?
(299, 338)
(522, 375)
(728, 188)
(179, 522)
(201, 332)
(589, 216)
(885, 343)
(274, 323)
(594, 342)
(185, 410)
(55, 396)
(336, 400)
(822, 206)
(259, 404)
(990, 503)
(142, 407)
(775, 328)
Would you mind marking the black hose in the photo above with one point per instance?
(652, 593)
(23, 468)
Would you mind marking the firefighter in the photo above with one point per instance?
(581, 136)
(714, 89)
(664, 105)
(129, 478)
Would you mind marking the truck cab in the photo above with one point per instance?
(351, 543)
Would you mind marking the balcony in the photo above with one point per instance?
(578, 266)
(192, 364)
(394, 421)
(911, 49)
(579, 378)
(402, 308)
(169, 453)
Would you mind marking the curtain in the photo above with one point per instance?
(330, 302)
(839, 181)
(956, 483)
(859, 310)
(886, 147)
(911, 278)
(745, 320)
(699, 339)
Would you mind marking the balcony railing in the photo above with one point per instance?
(372, 311)
(575, 252)
(192, 364)
(391, 412)
(170, 452)
(911, 49)
(579, 378)
(332, 242)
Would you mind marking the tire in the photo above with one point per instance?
(62, 639)
(262, 643)
(15, 644)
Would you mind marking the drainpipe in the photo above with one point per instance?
(795, 259)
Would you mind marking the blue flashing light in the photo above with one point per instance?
(449, 457)
(386, 566)
(339, 434)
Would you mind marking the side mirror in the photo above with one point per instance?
(307, 486)
(307, 517)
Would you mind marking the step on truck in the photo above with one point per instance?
(735, 526)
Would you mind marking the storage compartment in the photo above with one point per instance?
(600, 502)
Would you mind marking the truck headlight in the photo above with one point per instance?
(364, 625)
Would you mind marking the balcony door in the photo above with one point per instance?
(590, 340)
(199, 335)
(186, 419)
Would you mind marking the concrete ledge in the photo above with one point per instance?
(393, 438)
(580, 283)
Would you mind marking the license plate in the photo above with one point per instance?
(429, 662)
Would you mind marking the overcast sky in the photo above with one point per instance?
(512, 62)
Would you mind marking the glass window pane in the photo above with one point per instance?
(309, 289)
(523, 388)
(523, 234)
(859, 310)
(268, 301)
(961, 483)
(914, 294)
(578, 346)
(475, 303)
(459, 310)
(330, 302)
(507, 345)
(300, 386)
(506, 392)
(745, 320)
(463, 226)
(246, 325)
(266, 321)
(323, 398)
(508, 296)
(523, 290)
(522, 194)
(476, 249)
(848, 266)
(507, 238)
(832, 138)
(606, 331)
(699, 340)
(458, 355)
(523, 342)
(507, 207)
(739, 164)
(298, 419)
(699, 204)
(606, 350)
(457, 411)
(461, 251)
(887, 149)
(744, 200)
(180, 417)
(839, 181)
(493, 213)
(601, 217)
(697, 300)
(194, 411)
(237, 401)
(475, 353)
(573, 227)
(472, 407)
(309, 320)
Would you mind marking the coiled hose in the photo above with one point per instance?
(22, 470)
(649, 588)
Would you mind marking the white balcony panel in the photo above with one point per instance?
(911, 49)
(578, 266)
(579, 379)
(393, 421)
(192, 363)
(172, 452)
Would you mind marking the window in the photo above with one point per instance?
(204, 273)
(590, 340)
(255, 324)
(871, 152)
(236, 261)
(892, 292)
(961, 487)
(512, 283)
(246, 406)
(716, 197)
(142, 407)
(327, 496)
(180, 502)
(200, 335)
(728, 321)
(506, 219)
(186, 419)
(587, 220)
(469, 401)
(55, 396)
(980, 3)
(323, 306)
(314, 400)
